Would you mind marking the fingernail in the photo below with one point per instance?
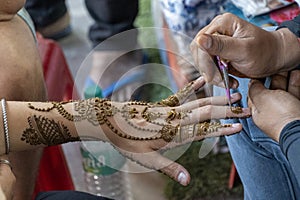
(205, 41)
(235, 125)
(182, 178)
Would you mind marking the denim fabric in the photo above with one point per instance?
(263, 168)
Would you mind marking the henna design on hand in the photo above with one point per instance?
(179, 97)
(236, 109)
(100, 111)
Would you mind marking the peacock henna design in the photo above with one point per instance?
(45, 131)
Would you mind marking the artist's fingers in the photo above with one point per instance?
(294, 83)
(219, 45)
(218, 100)
(256, 89)
(279, 81)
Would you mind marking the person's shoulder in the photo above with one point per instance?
(9, 8)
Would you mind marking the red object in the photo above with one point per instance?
(285, 14)
(54, 173)
(232, 177)
(180, 80)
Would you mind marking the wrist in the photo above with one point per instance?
(288, 50)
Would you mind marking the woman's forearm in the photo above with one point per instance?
(44, 124)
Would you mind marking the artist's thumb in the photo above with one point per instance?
(221, 45)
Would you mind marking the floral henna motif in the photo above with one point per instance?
(47, 132)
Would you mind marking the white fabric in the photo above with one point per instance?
(26, 17)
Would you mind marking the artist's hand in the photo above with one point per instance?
(272, 109)
(288, 81)
(168, 124)
(7, 181)
(251, 51)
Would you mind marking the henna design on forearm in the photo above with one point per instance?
(46, 131)
(59, 106)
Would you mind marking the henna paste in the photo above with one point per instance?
(236, 110)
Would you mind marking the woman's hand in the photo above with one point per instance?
(251, 51)
(272, 109)
(139, 130)
(142, 130)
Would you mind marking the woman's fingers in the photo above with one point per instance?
(198, 132)
(209, 112)
(154, 160)
(199, 83)
(177, 172)
(212, 112)
(218, 100)
(279, 81)
(226, 130)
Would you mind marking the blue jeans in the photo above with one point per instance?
(264, 170)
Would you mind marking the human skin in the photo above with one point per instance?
(279, 101)
(94, 121)
(21, 78)
(251, 51)
(7, 181)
